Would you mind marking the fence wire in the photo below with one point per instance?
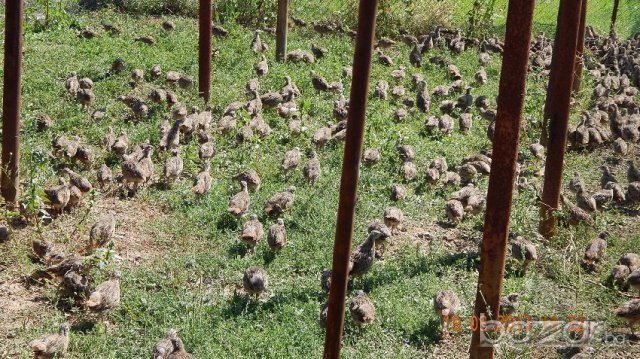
(475, 16)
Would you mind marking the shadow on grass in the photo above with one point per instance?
(227, 222)
(237, 249)
(242, 304)
(84, 327)
(426, 336)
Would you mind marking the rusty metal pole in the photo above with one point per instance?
(14, 14)
(281, 29)
(614, 16)
(503, 167)
(349, 179)
(557, 108)
(577, 76)
(204, 58)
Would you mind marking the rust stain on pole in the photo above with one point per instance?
(503, 167)
(349, 179)
(577, 76)
(557, 108)
(281, 29)
(204, 58)
(11, 99)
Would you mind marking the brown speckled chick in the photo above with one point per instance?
(106, 296)
(58, 196)
(277, 236)
(408, 170)
(255, 281)
(104, 175)
(630, 260)
(524, 252)
(252, 232)
(455, 211)
(362, 258)
(371, 156)
(239, 203)
(576, 214)
(445, 304)
(585, 200)
(595, 252)
(509, 304)
(85, 97)
(79, 181)
(325, 280)
(251, 177)
(633, 280)
(361, 309)
(52, 346)
(291, 159)
(630, 311)
(381, 240)
(280, 202)
(164, 346)
(173, 167)
(393, 218)
(203, 181)
(102, 231)
(618, 276)
(312, 170)
(398, 192)
(179, 352)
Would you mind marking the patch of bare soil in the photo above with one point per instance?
(440, 234)
(137, 237)
(137, 240)
(20, 308)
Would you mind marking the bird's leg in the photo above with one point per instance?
(443, 327)
(525, 265)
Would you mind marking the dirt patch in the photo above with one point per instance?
(427, 234)
(20, 307)
(137, 237)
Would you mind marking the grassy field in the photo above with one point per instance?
(546, 15)
(181, 259)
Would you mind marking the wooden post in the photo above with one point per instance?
(204, 58)
(503, 168)
(557, 108)
(11, 100)
(281, 30)
(614, 17)
(349, 179)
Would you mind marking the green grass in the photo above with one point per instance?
(546, 15)
(190, 283)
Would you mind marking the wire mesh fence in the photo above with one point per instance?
(475, 16)
(414, 16)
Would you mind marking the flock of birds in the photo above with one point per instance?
(614, 120)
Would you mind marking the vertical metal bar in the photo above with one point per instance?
(281, 29)
(577, 76)
(349, 179)
(614, 16)
(503, 167)
(557, 111)
(204, 58)
(11, 99)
